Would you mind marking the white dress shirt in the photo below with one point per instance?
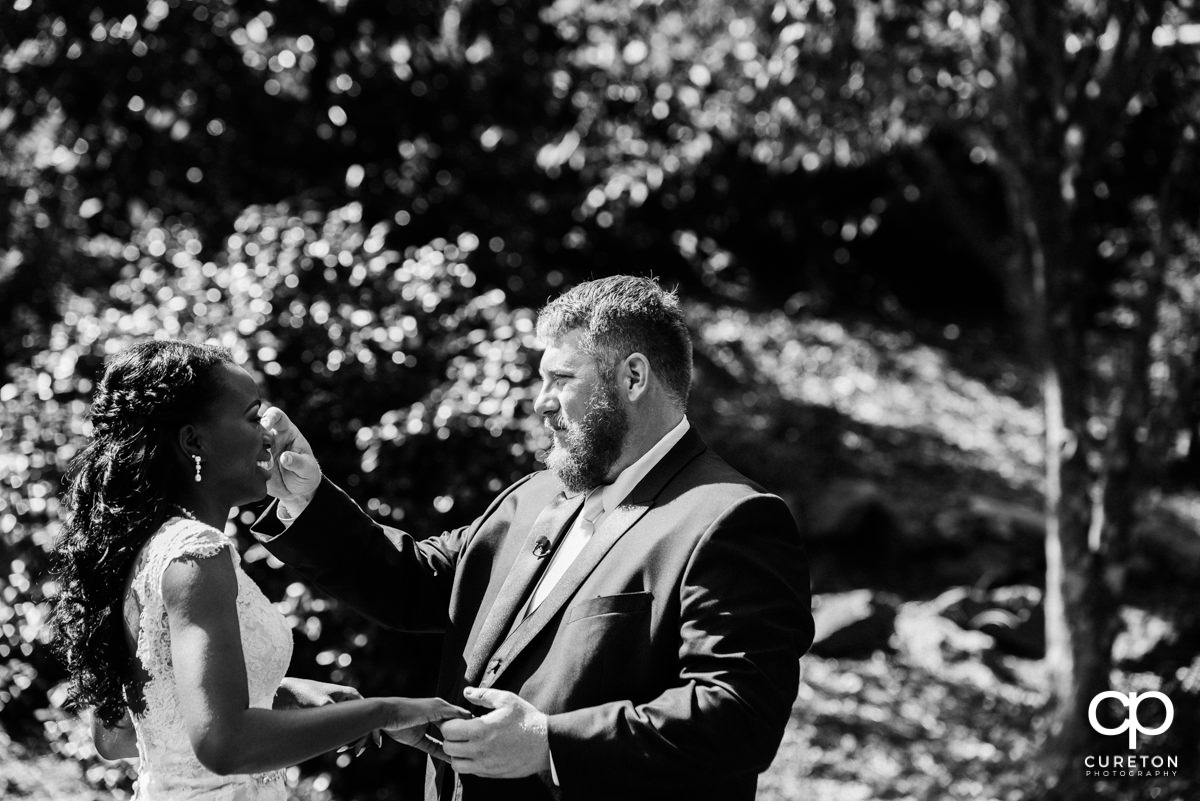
(599, 502)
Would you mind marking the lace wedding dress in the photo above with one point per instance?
(169, 769)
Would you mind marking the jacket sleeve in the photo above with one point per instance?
(385, 573)
(745, 621)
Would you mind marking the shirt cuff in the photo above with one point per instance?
(285, 515)
(289, 511)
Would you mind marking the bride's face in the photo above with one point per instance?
(237, 456)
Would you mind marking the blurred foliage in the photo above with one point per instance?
(365, 201)
(389, 360)
(719, 145)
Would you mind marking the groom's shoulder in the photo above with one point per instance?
(709, 485)
(538, 485)
(708, 470)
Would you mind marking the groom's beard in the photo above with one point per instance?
(592, 446)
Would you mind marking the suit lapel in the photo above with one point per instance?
(619, 521)
(550, 523)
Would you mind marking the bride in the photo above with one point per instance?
(159, 626)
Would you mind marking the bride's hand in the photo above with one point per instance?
(411, 718)
(295, 474)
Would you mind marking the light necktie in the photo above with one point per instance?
(574, 542)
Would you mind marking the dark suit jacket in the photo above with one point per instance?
(666, 657)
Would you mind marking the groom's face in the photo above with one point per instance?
(580, 404)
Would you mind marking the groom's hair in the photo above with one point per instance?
(625, 314)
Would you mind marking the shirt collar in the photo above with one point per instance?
(612, 494)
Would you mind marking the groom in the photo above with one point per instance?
(627, 624)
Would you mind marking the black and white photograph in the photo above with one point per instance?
(600, 400)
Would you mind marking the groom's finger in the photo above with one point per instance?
(277, 419)
(461, 749)
(465, 767)
(432, 747)
(284, 479)
(448, 711)
(489, 698)
(301, 465)
(284, 433)
(273, 418)
(339, 693)
(298, 472)
(461, 730)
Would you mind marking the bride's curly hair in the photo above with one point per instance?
(116, 495)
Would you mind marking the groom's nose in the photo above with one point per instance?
(544, 403)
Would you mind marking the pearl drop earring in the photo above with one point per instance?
(196, 459)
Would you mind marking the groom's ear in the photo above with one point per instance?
(633, 376)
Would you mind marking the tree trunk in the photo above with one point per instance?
(1080, 610)
(1080, 615)
(1078, 606)
(1065, 110)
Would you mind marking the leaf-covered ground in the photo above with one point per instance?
(937, 714)
(907, 725)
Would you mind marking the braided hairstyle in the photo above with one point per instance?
(116, 494)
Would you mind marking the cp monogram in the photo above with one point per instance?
(1131, 722)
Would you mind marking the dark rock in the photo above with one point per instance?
(849, 510)
(1011, 616)
(982, 516)
(852, 625)
(854, 538)
(988, 542)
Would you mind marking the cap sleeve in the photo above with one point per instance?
(180, 538)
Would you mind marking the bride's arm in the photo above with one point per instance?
(227, 735)
(297, 693)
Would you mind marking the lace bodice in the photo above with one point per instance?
(169, 769)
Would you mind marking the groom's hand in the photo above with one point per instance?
(508, 742)
(414, 726)
(295, 474)
(296, 693)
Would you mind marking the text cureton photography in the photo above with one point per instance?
(1117, 765)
